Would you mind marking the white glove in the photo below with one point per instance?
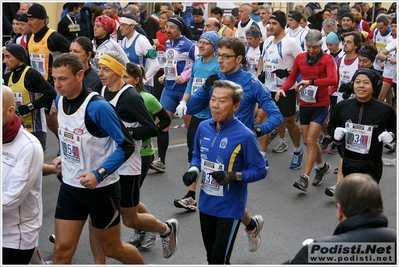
(385, 137)
(339, 133)
(181, 109)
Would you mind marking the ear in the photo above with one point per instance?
(236, 106)
(80, 75)
(239, 59)
(340, 214)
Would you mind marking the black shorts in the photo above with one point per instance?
(287, 105)
(102, 204)
(192, 129)
(313, 114)
(130, 190)
(371, 167)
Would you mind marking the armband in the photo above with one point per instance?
(103, 173)
(152, 53)
(238, 176)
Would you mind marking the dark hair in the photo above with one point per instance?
(357, 7)
(335, 7)
(86, 44)
(70, 61)
(383, 19)
(235, 44)
(357, 38)
(137, 71)
(357, 194)
(95, 11)
(217, 10)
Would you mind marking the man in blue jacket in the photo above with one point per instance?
(226, 157)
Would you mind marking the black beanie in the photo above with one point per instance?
(374, 76)
(296, 16)
(280, 17)
(367, 52)
(19, 52)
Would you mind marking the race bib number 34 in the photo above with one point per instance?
(358, 137)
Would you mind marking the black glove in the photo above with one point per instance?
(210, 81)
(22, 110)
(224, 178)
(258, 131)
(262, 77)
(281, 73)
(189, 177)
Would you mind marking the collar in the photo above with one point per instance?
(368, 220)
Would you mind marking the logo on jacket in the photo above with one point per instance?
(223, 143)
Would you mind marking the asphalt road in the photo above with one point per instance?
(290, 216)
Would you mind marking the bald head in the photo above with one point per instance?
(211, 24)
(8, 104)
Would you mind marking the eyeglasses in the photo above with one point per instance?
(203, 43)
(225, 57)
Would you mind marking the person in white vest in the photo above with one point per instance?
(294, 28)
(244, 14)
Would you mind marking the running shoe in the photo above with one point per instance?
(391, 146)
(150, 240)
(336, 171)
(169, 242)
(52, 238)
(253, 235)
(325, 142)
(158, 165)
(321, 174)
(267, 163)
(302, 183)
(136, 238)
(333, 149)
(330, 190)
(280, 147)
(272, 135)
(187, 203)
(296, 161)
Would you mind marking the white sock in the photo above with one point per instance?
(167, 230)
(321, 165)
(263, 154)
(297, 149)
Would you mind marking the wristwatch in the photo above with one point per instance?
(30, 106)
(258, 131)
(103, 173)
(238, 176)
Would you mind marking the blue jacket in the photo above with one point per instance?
(236, 147)
(254, 92)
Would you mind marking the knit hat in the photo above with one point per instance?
(213, 37)
(374, 76)
(332, 38)
(113, 5)
(393, 20)
(349, 15)
(22, 17)
(106, 23)
(367, 52)
(197, 10)
(19, 52)
(341, 12)
(280, 17)
(37, 11)
(234, 12)
(296, 16)
(313, 38)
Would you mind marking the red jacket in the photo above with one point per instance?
(325, 72)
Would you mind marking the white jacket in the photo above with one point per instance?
(22, 191)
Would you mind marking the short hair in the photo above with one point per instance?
(248, 5)
(217, 10)
(167, 12)
(267, 7)
(117, 56)
(86, 44)
(383, 19)
(137, 71)
(234, 44)
(335, 7)
(215, 22)
(330, 22)
(357, 7)
(357, 194)
(70, 61)
(357, 18)
(305, 18)
(231, 17)
(131, 8)
(357, 38)
(254, 29)
(299, 8)
(238, 91)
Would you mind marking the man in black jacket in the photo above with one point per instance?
(361, 221)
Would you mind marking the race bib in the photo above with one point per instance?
(197, 83)
(309, 94)
(209, 185)
(170, 70)
(358, 137)
(71, 147)
(38, 62)
(252, 65)
(161, 58)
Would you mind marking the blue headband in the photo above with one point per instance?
(177, 23)
(253, 34)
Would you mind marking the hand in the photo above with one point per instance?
(181, 109)
(190, 176)
(156, 42)
(281, 73)
(385, 137)
(210, 81)
(57, 162)
(223, 178)
(161, 79)
(22, 110)
(179, 79)
(278, 94)
(258, 131)
(339, 133)
(88, 180)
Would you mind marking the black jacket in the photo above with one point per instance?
(359, 228)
